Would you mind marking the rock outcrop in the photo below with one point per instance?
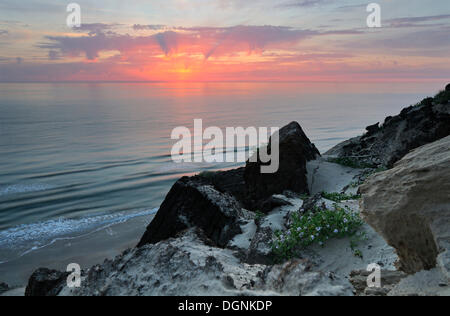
(45, 282)
(231, 182)
(3, 288)
(195, 202)
(409, 206)
(186, 266)
(389, 279)
(415, 126)
(260, 250)
(214, 202)
(295, 150)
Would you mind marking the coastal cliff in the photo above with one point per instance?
(299, 231)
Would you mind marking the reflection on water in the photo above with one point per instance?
(71, 152)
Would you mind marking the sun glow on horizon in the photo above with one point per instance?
(267, 47)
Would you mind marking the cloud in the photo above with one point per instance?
(30, 6)
(94, 28)
(418, 41)
(416, 21)
(53, 55)
(4, 32)
(423, 42)
(157, 27)
(208, 41)
(306, 3)
(305, 67)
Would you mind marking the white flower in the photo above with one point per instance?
(319, 229)
(312, 237)
(345, 220)
(336, 231)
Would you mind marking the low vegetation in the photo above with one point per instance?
(259, 216)
(349, 162)
(339, 197)
(317, 227)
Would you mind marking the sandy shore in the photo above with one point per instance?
(87, 251)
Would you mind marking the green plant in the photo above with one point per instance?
(317, 227)
(349, 162)
(354, 242)
(259, 216)
(365, 175)
(355, 184)
(380, 169)
(358, 253)
(304, 196)
(339, 197)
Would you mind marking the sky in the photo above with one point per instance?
(225, 40)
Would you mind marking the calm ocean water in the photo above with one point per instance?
(78, 157)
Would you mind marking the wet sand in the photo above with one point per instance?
(86, 251)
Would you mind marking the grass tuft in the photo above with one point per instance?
(339, 197)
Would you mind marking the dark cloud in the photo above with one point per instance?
(95, 28)
(53, 55)
(206, 40)
(157, 27)
(4, 32)
(416, 21)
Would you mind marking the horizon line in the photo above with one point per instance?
(223, 81)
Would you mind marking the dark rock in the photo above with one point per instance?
(260, 250)
(231, 182)
(195, 202)
(372, 129)
(311, 203)
(3, 288)
(428, 102)
(414, 127)
(447, 88)
(45, 282)
(295, 150)
(271, 203)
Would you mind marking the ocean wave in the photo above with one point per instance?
(24, 188)
(31, 237)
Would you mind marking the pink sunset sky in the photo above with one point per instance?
(225, 40)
